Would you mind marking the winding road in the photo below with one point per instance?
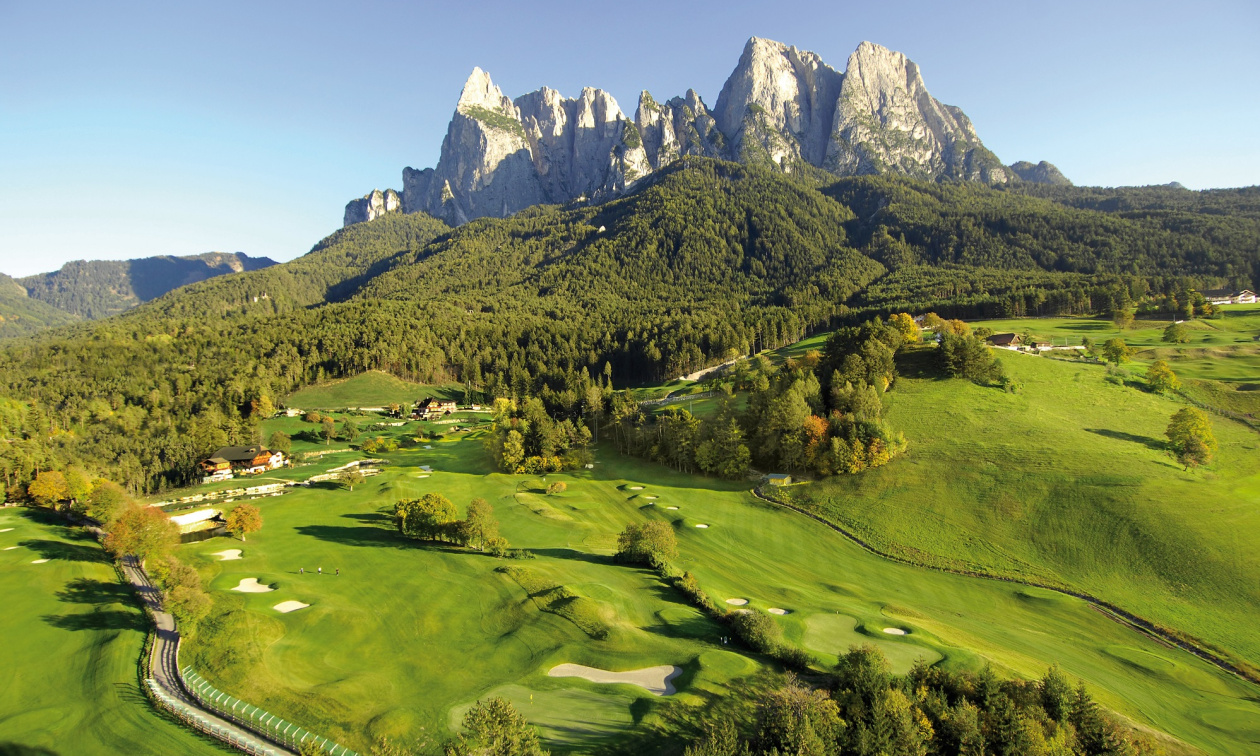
(164, 664)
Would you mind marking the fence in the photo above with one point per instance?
(254, 718)
(198, 721)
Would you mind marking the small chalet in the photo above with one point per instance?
(246, 460)
(1005, 340)
(431, 408)
(1229, 296)
(778, 479)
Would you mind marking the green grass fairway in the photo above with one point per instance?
(72, 637)
(408, 636)
(371, 389)
(1066, 482)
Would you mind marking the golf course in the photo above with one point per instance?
(332, 619)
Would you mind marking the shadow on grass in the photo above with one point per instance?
(68, 552)
(98, 592)
(1147, 441)
(574, 554)
(351, 536)
(101, 619)
(383, 519)
(919, 362)
(17, 749)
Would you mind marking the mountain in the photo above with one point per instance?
(96, 289)
(1041, 173)
(20, 315)
(781, 108)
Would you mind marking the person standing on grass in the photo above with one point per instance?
(321, 570)
(301, 570)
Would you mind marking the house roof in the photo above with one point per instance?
(239, 453)
(778, 476)
(1002, 339)
(1218, 293)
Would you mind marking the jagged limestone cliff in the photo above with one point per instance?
(781, 107)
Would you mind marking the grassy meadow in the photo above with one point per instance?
(408, 635)
(72, 637)
(371, 389)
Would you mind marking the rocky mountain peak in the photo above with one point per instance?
(480, 92)
(781, 107)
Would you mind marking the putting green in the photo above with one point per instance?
(826, 634)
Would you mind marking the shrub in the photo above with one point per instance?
(557, 488)
(648, 543)
(756, 630)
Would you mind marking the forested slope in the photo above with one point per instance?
(707, 259)
(21, 316)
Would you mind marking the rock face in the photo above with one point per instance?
(782, 108)
(373, 206)
(886, 122)
(1041, 173)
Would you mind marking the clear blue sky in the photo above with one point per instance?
(134, 129)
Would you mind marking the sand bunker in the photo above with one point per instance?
(251, 585)
(778, 611)
(39, 561)
(10, 548)
(422, 475)
(5, 530)
(636, 488)
(737, 601)
(673, 508)
(289, 606)
(227, 554)
(894, 631)
(650, 498)
(656, 680)
(702, 525)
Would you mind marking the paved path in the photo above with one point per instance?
(164, 667)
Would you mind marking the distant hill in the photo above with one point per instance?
(95, 289)
(21, 316)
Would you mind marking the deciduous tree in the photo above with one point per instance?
(243, 520)
(49, 488)
(1116, 351)
(1190, 437)
(144, 532)
(1161, 378)
(647, 543)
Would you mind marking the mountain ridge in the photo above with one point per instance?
(781, 107)
(95, 289)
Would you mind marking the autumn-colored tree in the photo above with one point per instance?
(1190, 437)
(557, 488)
(243, 520)
(328, 429)
(352, 479)
(906, 326)
(49, 488)
(262, 407)
(1123, 318)
(1161, 378)
(144, 532)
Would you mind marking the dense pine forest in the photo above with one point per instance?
(707, 261)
